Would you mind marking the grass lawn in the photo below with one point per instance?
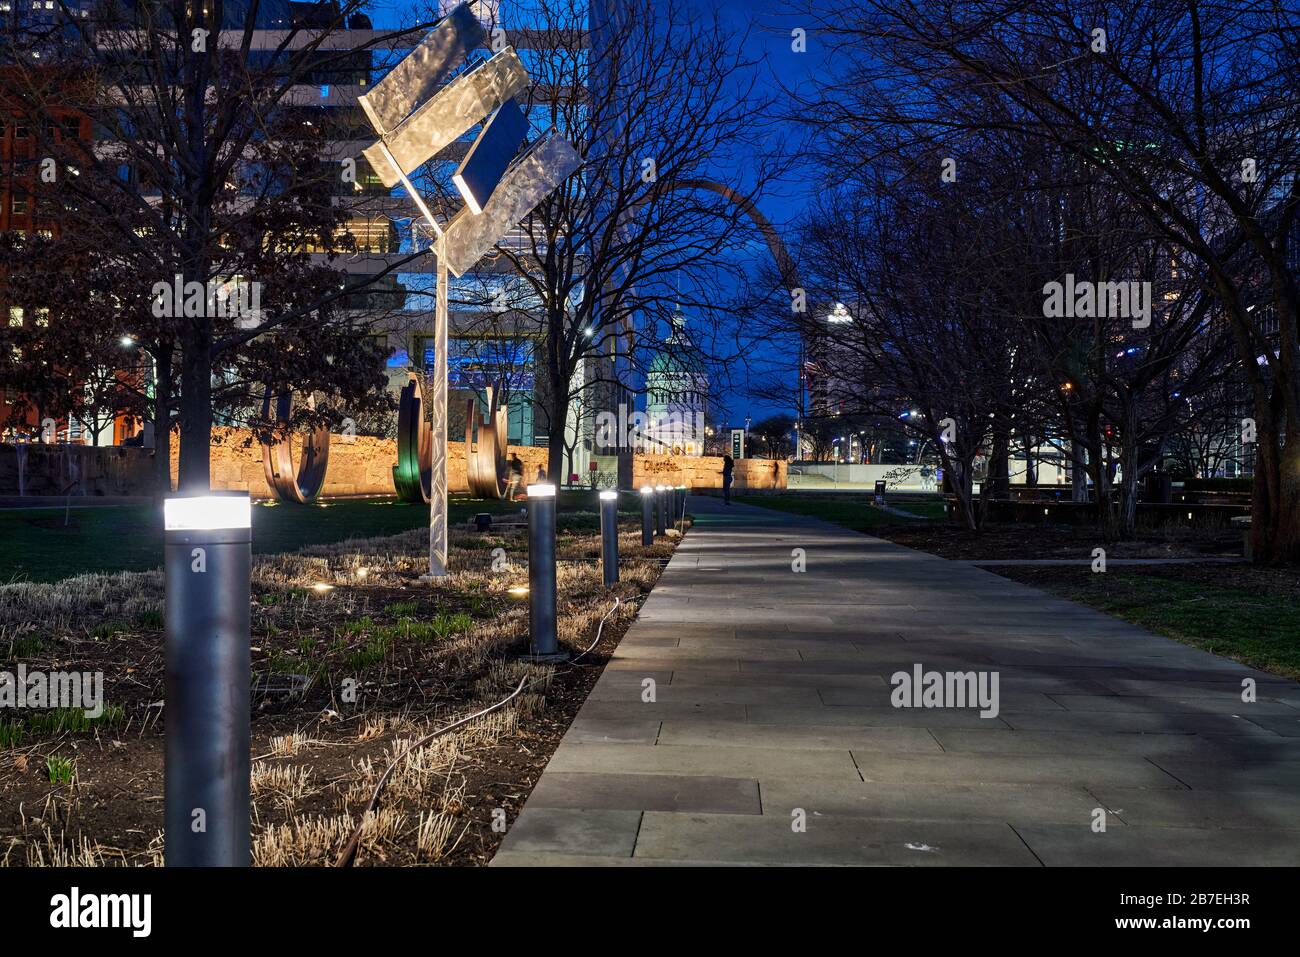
(1248, 614)
(851, 511)
(36, 545)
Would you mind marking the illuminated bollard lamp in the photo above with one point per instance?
(647, 516)
(661, 509)
(544, 646)
(609, 535)
(208, 561)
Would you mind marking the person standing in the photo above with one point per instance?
(516, 477)
(728, 467)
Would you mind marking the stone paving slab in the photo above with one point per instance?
(832, 840)
(989, 803)
(1262, 809)
(1160, 705)
(701, 759)
(772, 707)
(1009, 741)
(1146, 846)
(744, 735)
(660, 792)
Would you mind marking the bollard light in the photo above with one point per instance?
(609, 535)
(647, 516)
(207, 568)
(541, 572)
(680, 517)
(661, 508)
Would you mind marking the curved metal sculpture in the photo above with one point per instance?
(287, 485)
(413, 473)
(785, 263)
(485, 457)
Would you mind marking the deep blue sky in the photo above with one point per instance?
(781, 69)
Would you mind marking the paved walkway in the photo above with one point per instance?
(772, 708)
(993, 562)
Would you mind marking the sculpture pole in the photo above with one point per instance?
(438, 476)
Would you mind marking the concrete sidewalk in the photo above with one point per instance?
(771, 709)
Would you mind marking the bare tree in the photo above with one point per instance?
(658, 101)
(1186, 109)
(208, 178)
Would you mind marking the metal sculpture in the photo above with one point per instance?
(287, 485)
(416, 114)
(485, 458)
(412, 473)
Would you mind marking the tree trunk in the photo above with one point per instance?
(1078, 473)
(1128, 503)
(958, 475)
(1131, 469)
(999, 471)
(196, 417)
(162, 421)
(1275, 508)
(555, 442)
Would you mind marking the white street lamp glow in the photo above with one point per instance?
(646, 490)
(608, 494)
(207, 512)
(541, 491)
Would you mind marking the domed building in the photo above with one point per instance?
(677, 391)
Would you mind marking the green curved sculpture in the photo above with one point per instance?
(413, 473)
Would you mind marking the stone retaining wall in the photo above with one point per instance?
(705, 471)
(359, 465)
(36, 469)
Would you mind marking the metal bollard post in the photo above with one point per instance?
(541, 571)
(609, 535)
(207, 568)
(647, 516)
(681, 509)
(661, 507)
